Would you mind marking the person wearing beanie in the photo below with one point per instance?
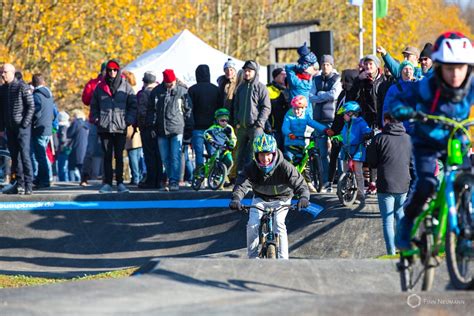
(169, 113)
(227, 83)
(114, 108)
(154, 165)
(252, 108)
(63, 149)
(325, 89)
(299, 76)
(425, 59)
(278, 94)
(410, 53)
(77, 135)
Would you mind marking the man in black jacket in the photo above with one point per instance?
(390, 153)
(170, 111)
(17, 108)
(279, 96)
(42, 129)
(206, 100)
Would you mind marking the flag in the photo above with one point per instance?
(356, 2)
(382, 8)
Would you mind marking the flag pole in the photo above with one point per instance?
(361, 33)
(374, 27)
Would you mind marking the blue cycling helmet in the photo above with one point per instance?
(264, 144)
(350, 106)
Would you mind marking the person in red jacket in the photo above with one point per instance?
(93, 145)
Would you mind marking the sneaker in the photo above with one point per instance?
(311, 188)
(106, 188)
(402, 238)
(327, 188)
(13, 189)
(84, 184)
(165, 188)
(121, 188)
(174, 187)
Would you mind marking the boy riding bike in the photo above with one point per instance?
(221, 134)
(353, 135)
(273, 180)
(294, 126)
(448, 92)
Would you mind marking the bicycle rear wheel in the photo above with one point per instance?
(217, 176)
(459, 251)
(347, 189)
(317, 172)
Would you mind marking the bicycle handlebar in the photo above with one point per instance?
(291, 207)
(308, 137)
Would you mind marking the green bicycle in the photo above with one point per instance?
(213, 169)
(312, 157)
(446, 225)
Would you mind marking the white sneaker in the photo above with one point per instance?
(174, 187)
(121, 188)
(106, 188)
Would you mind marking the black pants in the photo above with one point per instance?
(335, 150)
(19, 140)
(151, 153)
(113, 145)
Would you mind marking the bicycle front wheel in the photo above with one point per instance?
(347, 189)
(217, 176)
(317, 172)
(459, 251)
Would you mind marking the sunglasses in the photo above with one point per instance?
(112, 70)
(423, 59)
(223, 120)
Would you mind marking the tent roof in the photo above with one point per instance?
(183, 53)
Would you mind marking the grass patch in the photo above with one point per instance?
(15, 281)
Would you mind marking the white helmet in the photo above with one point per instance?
(453, 48)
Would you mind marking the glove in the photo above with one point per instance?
(328, 132)
(302, 203)
(235, 205)
(403, 113)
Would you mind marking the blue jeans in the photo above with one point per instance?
(134, 162)
(324, 153)
(391, 206)
(188, 165)
(170, 151)
(45, 171)
(62, 162)
(198, 146)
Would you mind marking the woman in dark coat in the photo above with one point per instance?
(77, 133)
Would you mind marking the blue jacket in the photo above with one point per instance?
(353, 136)
(44, 112)
(398, 87)
(297, 126)
(420, 95)
(297, 86)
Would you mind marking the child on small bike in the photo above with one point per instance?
(294, 126)
(448, 92)
(353, 134)
(273, 180)
(222, 134)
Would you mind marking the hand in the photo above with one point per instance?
(292, 136)
(235, 205)
(153, 134)
(302, 203)
(403, 113)
(381, 51)
(329, 132)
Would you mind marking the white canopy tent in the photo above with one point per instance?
(183, 53)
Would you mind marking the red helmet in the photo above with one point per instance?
(299, 102)
(453, 48)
